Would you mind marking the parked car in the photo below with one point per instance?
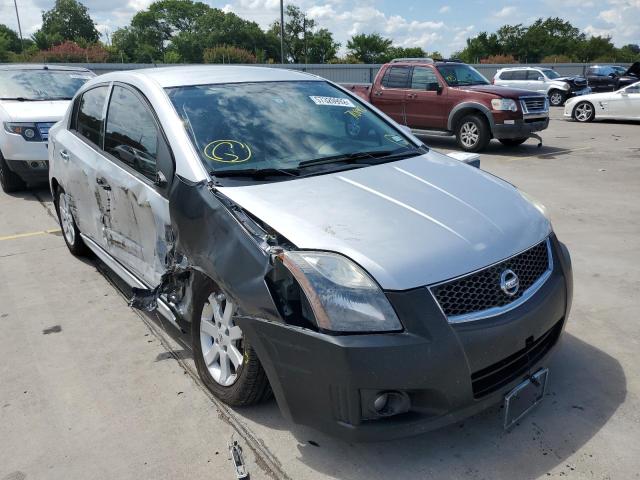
(452, 98)
(543, 80)
(32, 98)
(608, 78)
(311, 247)
(623, 104)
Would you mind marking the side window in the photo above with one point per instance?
(519, 74)
(89, 119)
(131, 134)
(633, 89)
(534, 75)
(396, 77)
(592, 71)
(424, 78)
(506, 75)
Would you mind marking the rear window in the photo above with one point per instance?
(31, 84)
(90, 116)
(396, 77)
(506, 75)
(519, 74)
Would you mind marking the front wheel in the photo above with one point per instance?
(472, 133)
(556, 98)
(226, 363)
(512, 142)
(583, 112)
(70, 231)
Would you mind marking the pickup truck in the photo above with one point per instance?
(447, 97)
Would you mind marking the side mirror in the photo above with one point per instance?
(405, 129)
(624, 93)
(612, 75)
(541, 79)
(160, 180)
(439, 88)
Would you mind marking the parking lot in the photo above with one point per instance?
(93, 389)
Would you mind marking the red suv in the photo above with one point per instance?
(451, 97)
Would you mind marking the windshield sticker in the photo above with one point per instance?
(356, 112)
(397, 139)
(332, 101)
(227, 151)
(83, 77)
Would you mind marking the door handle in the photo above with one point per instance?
(64, 155)
(103, 183)
(377, 93)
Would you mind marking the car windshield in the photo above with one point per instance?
(550, 73)
(457, 74)
(619, 70)
(30, 84)
(266, 126)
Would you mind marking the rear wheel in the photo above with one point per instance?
(584, 112)
(512, 142)
(472, 133)
(70, 231)
(227, 364)
(556, 98)
(9, 181)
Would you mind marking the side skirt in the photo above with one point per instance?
(128, 277)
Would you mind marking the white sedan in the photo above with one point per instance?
(623, 104)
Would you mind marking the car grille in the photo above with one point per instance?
(43, 128)
(534, 104)
(476, 293)
(496, 376)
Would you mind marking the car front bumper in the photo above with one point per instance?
(520, 128)
(31, 171)
(580, 92)
(29, 160)
(328, 382)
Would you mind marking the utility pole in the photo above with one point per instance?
(281, 31)
(15, 4)
(304, 37)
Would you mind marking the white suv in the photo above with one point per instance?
(32, 99)
(542, 80)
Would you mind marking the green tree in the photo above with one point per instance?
(12, 41)
(369, 48)
(401, 52)
(321, 47)
(228, 54)
(67, 20)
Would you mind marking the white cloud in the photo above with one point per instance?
(505, 12)
(444, 9)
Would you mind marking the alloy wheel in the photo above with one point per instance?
(66, 219)
(584, 111)
(221, 339)
(469, 134)
(556, 99)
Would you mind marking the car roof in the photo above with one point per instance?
(37, 66)
(522, 68)
(212, 74)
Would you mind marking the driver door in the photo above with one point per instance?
(627, 103)
(134, 196)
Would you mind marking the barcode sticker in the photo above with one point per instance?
(332, 101)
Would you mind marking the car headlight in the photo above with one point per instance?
(566, 86)
(28, 131)
(342, 296)
(504, 104)
(539, 206)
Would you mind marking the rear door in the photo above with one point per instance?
(78, 151)
(425, 102)
(519, 79)
(136, 225)
(389, 96)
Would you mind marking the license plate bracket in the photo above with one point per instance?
(524, 398)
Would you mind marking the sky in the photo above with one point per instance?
(441, 25)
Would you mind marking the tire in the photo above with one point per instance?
(70, 231)
(556, 98)
(9, 180)
(472, 133)
(242, 384)
(583, 112)
(512, 142)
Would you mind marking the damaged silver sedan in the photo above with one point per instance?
(312, 248)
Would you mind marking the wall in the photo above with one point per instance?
(346, 73)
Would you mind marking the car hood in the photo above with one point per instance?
(408, 223)
(592, 97)
(46, 111)
(500, 91)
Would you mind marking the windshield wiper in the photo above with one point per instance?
(256, 172)
(56, 98)
(378, 156)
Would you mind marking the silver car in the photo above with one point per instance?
(312, 248)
